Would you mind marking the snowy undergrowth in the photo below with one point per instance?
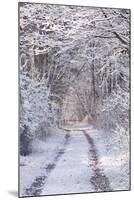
(43, 153)
(113, 154)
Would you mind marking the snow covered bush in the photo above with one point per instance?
(36, 115)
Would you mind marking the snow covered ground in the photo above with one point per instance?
(75, 161)
(72, 174)
(35, 164)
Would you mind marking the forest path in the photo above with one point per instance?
(75, 169)
(72, 173)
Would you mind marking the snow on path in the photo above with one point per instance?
(86, 161)
(72, 173)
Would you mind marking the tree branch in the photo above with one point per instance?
(100, 36)
(114, 32)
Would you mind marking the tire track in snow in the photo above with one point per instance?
(99, 179)
(36, 187)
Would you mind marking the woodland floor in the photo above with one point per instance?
(78, 162)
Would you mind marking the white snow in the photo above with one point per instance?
(73, 170)
(72, 173)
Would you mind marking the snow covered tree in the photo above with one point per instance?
(93, 58)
